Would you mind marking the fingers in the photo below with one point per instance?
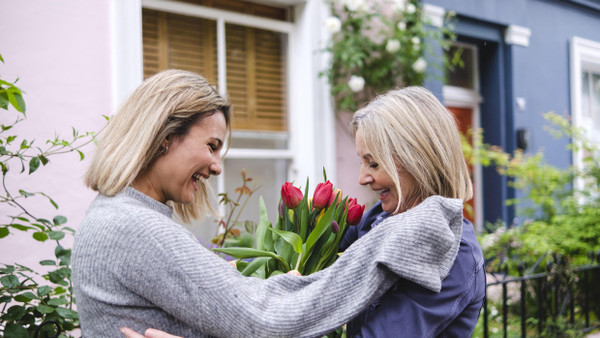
(129, 333)
(154, 333)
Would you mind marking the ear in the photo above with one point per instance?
(164, 146)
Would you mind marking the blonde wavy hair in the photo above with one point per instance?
(164, 106)
(409, 129)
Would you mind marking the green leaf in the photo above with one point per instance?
(5, 299)
(48, 262)
(10, 281)
(45, 309)
(57, 301)
(20, 103)
(251, 253)
(44, 290)
(66, 313)
(56, 235)
(59, 220)
(15, 331)
(81, 155)
(20, 226)
(8, 269)
(4, 232)
(262, 243)
(25, 193)
(15, 312)
(1, 59)
(321, 227)
(40, 236)
(30, 295)
(44, 159)
(291, 237)
(3, 99)
(22, 298)
(254, 265)
(34, 164)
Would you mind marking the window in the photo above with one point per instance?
(245, 56)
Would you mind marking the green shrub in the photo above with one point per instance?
(33, 303)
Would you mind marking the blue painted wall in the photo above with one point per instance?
(539, 73)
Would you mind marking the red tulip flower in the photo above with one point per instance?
(355, 213)
(322, 195)
(350, 202)
(291, 195)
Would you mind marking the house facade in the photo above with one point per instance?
(523, 58)
(78, 61)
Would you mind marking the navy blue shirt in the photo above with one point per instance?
(409, 310)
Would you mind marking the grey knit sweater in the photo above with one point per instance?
(134, 266)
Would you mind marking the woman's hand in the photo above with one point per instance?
(150, 333)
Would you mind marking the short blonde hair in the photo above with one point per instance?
(164, 106)
(409, 129)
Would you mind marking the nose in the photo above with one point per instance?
(364, 178)
(215, 166)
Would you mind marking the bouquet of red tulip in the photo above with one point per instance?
(306, 236)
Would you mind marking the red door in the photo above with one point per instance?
(464, 119)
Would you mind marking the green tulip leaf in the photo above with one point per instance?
(254, 265)
(251, 253)
(322, 225)
(290, 237)
(264, 241)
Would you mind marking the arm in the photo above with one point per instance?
(203, 290)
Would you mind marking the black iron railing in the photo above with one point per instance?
(545, 300)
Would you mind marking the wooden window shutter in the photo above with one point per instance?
(181, 42)
(256, 81)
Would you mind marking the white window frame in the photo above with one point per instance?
(471, 99)
(585, 56)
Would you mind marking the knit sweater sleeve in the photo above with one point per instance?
(169, 268)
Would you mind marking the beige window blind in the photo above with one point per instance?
(255, 60)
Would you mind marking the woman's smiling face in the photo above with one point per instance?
(174, 176)
(381, 182)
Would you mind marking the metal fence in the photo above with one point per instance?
(548, 303)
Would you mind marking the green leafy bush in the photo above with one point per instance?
(560, 219)
(33, 303)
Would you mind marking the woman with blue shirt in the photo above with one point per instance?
(410, 149)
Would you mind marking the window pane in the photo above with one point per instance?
(595, 103)
(256, 81)
(461, 76)
(585, 94)
(181, 42)
(267, 175)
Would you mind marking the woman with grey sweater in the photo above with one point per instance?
(133, 266)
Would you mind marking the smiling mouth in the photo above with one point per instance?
(382, 192)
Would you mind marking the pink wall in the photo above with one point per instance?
(60, 51)
(348, 164)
